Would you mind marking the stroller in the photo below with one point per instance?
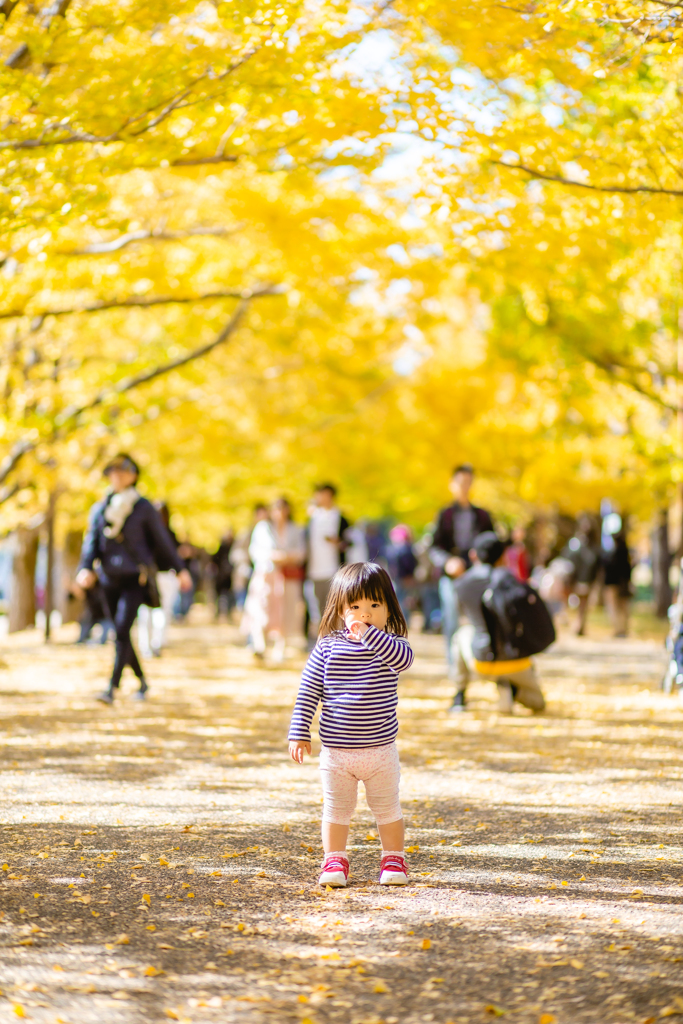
(673, 677)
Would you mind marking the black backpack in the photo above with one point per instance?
(516, 616)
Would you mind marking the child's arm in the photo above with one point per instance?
(308, 698)
(394, 651)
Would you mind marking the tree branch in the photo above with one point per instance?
(57, 9)
(69, 417)
(129, 304)
(628, 189)
(72, 137)
(609, 367)
(129, 383)
(149, 233)
(11, 461)
(6, 8)
(195, 161)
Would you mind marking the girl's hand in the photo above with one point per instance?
(296, 750)
(355, 627)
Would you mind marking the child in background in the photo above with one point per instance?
(353, 670)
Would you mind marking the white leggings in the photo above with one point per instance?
(342, 768)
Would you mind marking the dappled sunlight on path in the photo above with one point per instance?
(160, 859)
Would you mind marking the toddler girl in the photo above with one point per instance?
(353, 670)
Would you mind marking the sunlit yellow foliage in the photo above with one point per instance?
(449, 230)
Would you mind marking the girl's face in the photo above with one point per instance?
(373, 613)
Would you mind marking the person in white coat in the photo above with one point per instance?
(274, 606)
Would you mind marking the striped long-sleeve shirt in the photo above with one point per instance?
(358, 686)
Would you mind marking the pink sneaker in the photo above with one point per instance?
(335, 871)
(393, 870)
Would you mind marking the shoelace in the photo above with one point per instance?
(393, 864)
(335, 864)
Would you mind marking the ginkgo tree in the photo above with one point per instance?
(162, 176)
(264, 244)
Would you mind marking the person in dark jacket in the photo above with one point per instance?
(125, 538)
(457, 528)
(616, 564)
(474, 654)
(222, 575)
(584, 554)
(402, 563)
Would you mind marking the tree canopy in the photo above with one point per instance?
(261, 245)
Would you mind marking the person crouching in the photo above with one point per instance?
(474, 655)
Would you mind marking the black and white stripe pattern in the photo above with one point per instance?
(358, 686)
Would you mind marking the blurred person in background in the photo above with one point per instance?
(126, 538)
(326, 544)
(616, 564)
(583, 551)
(96, 612)
(478, 651)
(401, 563)
(222, 569)
(356, 544)
(552, 577)
(457, 528)
(274, 608)
(427, 578)
(376, 543)
(239, 556)
(191, 557)
(152, 622)
(516, 557)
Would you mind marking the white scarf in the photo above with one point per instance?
(117, 511)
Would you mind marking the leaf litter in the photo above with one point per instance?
(518, 920)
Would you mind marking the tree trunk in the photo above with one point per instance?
(661, 563)
(22, 607)
(50, 572)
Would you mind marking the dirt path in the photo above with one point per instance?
(160, 860)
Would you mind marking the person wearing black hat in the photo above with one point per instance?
(516, 680)
(128, 540)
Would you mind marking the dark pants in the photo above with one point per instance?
(96, 611)
(225, 599)
(124, 597)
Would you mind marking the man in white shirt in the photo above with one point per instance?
(326, 546)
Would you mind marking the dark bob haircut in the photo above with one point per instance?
(361, 580)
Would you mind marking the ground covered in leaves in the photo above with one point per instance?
(159, 860)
